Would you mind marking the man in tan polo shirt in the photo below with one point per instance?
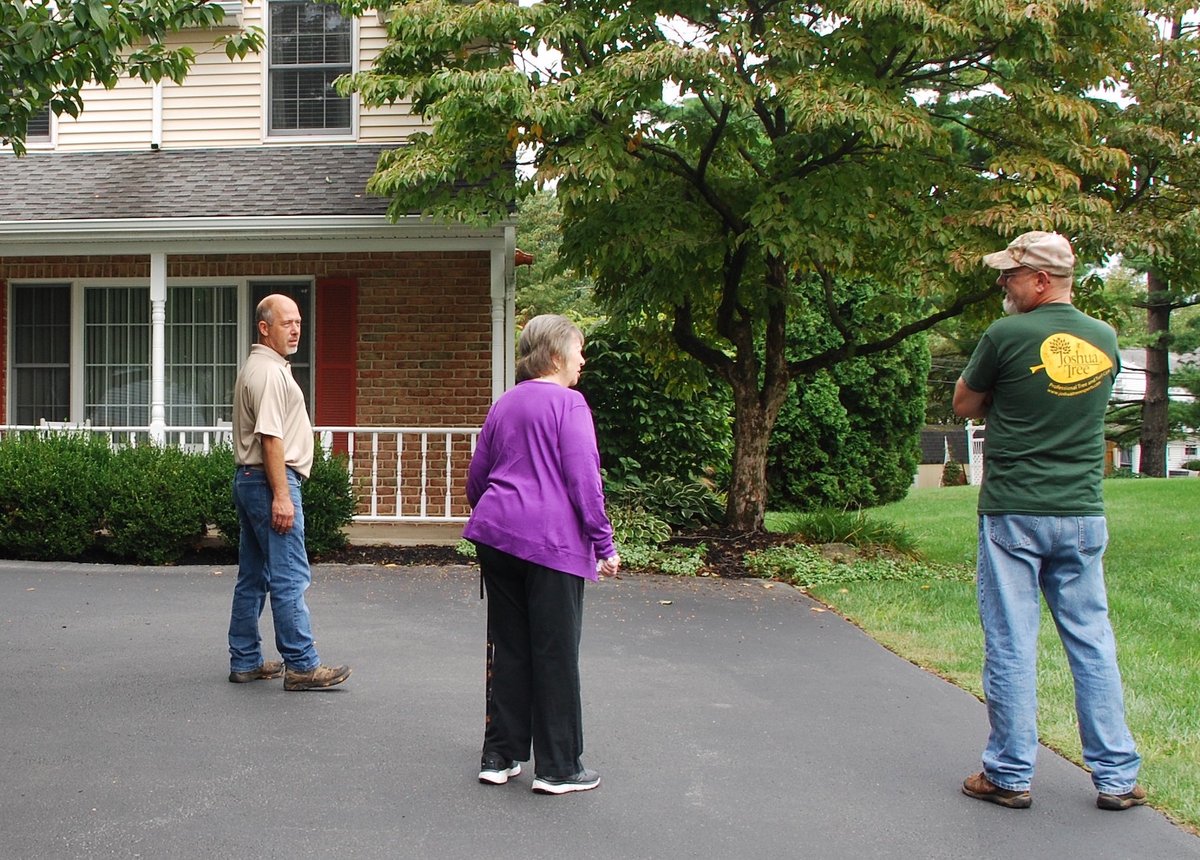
(273, 448)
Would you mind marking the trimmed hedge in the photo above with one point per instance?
(67, 496)
(51, 494)
(154, 512)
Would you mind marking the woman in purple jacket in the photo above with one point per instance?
(539, 525)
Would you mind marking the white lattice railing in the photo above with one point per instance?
(399, 474)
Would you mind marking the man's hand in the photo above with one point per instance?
(283, 514)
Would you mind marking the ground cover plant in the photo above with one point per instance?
(1154, 599)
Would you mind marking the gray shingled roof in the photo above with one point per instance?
(935, 439)
(264, 181)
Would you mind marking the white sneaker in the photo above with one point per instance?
(585, 780)
(494, 770)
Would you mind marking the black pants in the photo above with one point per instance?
(534, 618)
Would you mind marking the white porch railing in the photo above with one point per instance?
(399, 474)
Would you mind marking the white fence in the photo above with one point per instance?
(975, 453)
(399, 474)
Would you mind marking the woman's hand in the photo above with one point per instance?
(609, 566)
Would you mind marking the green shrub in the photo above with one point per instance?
(651, 422)
(637, 527)
(679, 503)
(1125, 472)
(805, 567)
(466, 549)
(215, 480)
(853, 527)
(671, 560)
(681, 560)
(51, 494)
(155, 506)
(1192, 465)
(329, 505)
(954, 474)
(849, 435)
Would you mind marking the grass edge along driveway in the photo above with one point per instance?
(1152, 568)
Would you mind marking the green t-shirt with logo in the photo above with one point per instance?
(1050, 372)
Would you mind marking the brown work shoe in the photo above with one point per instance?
(269, 669)
(1116, 802)
(981, 788)
(315, 678)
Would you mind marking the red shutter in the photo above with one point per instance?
(336, 354)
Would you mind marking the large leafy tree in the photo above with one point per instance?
(803, 145)
(1157, 198)
(50, 49)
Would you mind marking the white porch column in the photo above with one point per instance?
(503, 313)
(158, 346)
(510, 305)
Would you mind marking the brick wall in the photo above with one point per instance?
(424, 326)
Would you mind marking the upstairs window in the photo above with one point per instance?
(310, 46)
(37, 132)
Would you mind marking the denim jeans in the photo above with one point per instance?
(1063, 557)
(269, 563)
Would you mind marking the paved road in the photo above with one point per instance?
(728, 720)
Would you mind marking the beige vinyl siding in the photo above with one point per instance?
(390, 123)
(119, 118)
(221, 103)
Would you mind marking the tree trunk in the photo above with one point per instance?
(1155, 418)
(747, 502)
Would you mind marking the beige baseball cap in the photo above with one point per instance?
(1037, 249)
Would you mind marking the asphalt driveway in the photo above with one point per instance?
(727, 719)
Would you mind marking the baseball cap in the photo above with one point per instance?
(1037, 249)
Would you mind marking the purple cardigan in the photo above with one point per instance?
(534, 481)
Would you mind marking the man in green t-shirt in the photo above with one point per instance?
(1042, 377)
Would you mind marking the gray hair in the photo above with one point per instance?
(543, 344)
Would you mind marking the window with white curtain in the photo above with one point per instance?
(116, 344)
(202, 354)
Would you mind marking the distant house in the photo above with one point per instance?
(136, 240)
(1130, 386)
(940, 445)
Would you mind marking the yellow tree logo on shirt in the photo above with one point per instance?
(1073, 365)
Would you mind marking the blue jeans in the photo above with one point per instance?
(269, 562)
(1063, 556)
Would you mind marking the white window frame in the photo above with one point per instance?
(51, 139)
(268, 136)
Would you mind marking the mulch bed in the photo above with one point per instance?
(726, 549)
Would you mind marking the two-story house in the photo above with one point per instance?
(136, 240)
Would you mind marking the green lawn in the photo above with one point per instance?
(1153, 573)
